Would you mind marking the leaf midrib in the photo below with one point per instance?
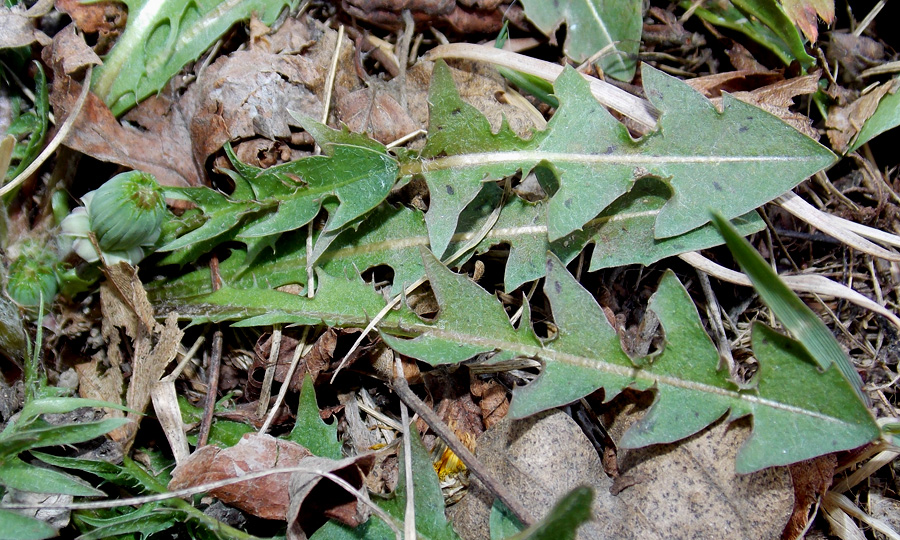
(518, 158)
(634, 373)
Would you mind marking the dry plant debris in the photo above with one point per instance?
(524, 234)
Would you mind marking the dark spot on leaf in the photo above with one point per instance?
(610, 149)
(549, 265)
(456, 111)
(568, 203)
(715, 185)
(743, 129)
(449, 189)
(557, 286)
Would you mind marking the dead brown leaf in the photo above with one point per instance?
(267, 497)
(375, 113)
(683, 490)
(463, 16)
(313, 362)
(844, 122)
(124, 305)
(105, 18)
(316, 499)
(853, 54)
(776, 98)
(245, 94)
(493, 402)
(97, 133)
(806, 13)
(18, 29)
(811, 480)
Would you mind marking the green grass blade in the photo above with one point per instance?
(796, 316)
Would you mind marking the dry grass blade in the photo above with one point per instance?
(835, 503)
(57, 140)
(840, 228)
(409, 521)
(619, 100)
(809, 284)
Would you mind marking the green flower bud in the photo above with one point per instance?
(30, 277)
(127, 212)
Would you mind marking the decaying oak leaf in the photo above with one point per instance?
(97, 133)
(316, 499)
(312, 362)
(683, 490)
(811, 479)
(265, 497)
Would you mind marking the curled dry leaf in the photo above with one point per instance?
(265, 497)
(844, 122)
(17, 29)
(103, 17)
(316, 499)
(811, 480)
(312, 362)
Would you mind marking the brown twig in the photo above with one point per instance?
(215, 360)
(468, 458)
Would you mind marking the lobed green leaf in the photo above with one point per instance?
(798, 411)
(736, 160)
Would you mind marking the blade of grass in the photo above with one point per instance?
(796, 316)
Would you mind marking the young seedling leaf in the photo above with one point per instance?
(354, 170)
(161, 37)
(140, 522)
(796, 316)
(563, 520)
(771, 14)
(690, 392)
(736, 160)
(726, 15)
(593, 26)
(309, 429)
(19, 527)
(431, 522)
(17, 474)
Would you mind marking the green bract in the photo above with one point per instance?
(32, 277)
(125, 215)
(127, 211)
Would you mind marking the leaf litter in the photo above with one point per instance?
(246, 97)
